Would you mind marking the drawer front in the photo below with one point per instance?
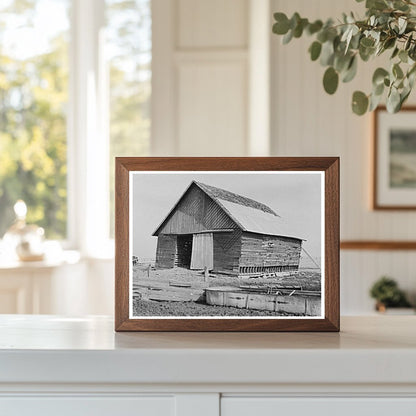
(273, 406)
(87, 406)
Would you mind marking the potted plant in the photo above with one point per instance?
(387, 294)
(389, 27)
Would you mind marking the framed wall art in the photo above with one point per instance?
(394, 179)
(227, 244)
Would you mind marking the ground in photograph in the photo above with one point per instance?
(181, 292)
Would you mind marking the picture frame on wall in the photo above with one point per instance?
(394, 151)
(227, 244)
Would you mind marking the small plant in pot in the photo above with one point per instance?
(387, 294)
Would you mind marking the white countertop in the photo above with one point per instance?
(53, 349)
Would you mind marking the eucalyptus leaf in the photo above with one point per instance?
(374, 102)
(314, 27)
(378, 89)
(395, 52)
(397, 71)
(379, 75)
(393, 101)
(327, 54)
(288, 37)
(359, 103)
(403, 56)
(330, 80)
(351, 71)
(281, 26)
(315, 50)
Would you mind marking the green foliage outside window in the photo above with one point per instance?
(33, 99)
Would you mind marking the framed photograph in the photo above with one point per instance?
(227, 244)
(395, 159)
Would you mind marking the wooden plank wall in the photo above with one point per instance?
(227, 250)
(196, 212)
(166, 251)
(267, 251)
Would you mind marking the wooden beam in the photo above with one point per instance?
(378, 245)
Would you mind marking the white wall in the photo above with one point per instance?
(202, 80)
(308, 122)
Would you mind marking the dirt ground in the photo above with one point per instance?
(152, 308)
(180, 292)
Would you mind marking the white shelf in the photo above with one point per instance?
(51, 349)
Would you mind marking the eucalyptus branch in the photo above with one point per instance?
(389, 25)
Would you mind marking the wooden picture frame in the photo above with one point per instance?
(134, 176)
(394, 145)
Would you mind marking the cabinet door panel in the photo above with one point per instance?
(272, 406)
(87, 406)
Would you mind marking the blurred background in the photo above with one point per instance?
(83, 81)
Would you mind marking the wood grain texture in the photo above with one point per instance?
(376, 204)
(330, 165)
(378, 245)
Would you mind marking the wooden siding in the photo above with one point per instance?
(166, 251)
(196, 212)
(268, 251)
(227, 250)
(202, 251)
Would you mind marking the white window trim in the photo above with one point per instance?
(88, 141)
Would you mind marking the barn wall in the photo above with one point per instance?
(267, 251)
(227, 250)
(196, 212)
(165, 251)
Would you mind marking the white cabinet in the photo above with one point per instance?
(88, 406)
(50, 365)
(272, 406)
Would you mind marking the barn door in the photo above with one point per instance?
(202, 251)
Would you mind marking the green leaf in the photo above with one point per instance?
(379, 75)
(403, 56)
(376, 4)
(315, 50)
(374, 101)
(351, 71)
(395, 52)
(393, 101)
(367, 42)
(314, 27)
(281, 27)
(327, 53)
(378, 89)
(298, 30)
(330, 80)
(341, 61)
(288, 37)
(359, 103)
(397, 71)
(389, 43)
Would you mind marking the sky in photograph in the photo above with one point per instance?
(295, 197)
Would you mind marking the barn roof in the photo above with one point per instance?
(222, 194)
(248, 214)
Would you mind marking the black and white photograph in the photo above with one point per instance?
(226, 244)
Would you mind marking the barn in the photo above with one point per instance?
(224, 232)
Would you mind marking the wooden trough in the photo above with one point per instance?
(294, 302)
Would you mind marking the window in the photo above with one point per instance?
(33, 99)
(75, 87)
